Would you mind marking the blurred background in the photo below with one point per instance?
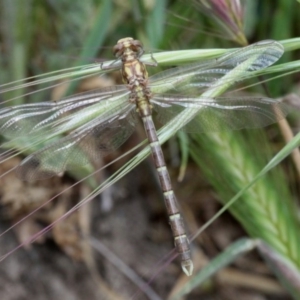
(207, 170)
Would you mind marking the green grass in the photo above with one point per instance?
(229, 161)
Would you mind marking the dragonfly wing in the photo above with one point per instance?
(78, 148)
(197, 77)
(221, 113)
(35, 118)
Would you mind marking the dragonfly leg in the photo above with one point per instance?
(110, 66)
(154, 62)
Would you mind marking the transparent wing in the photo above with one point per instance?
(222, 113)
(34, 119)
(91, 142)
(197, 77)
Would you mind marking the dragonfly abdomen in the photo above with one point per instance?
(180, 239)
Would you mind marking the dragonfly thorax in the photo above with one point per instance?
(134, 74)
(140, 95)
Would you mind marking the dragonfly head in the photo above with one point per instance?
(128, 45)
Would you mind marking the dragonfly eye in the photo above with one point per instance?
(118, 50)
(137, 47)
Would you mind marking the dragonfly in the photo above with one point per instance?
(94, 123)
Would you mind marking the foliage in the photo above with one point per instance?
(56, 31)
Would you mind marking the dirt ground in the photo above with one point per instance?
(128, 221)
